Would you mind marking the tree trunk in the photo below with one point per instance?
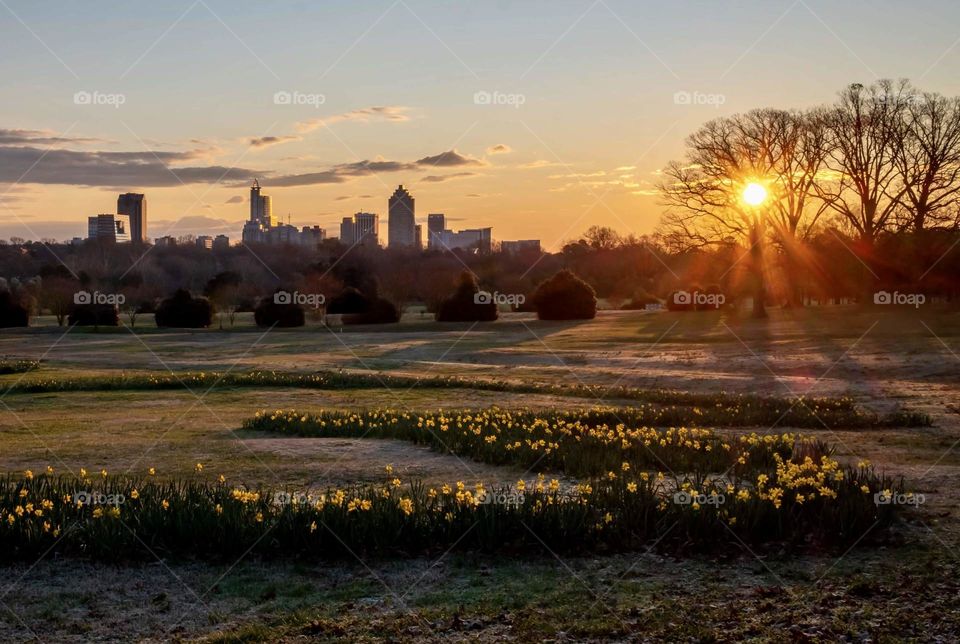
(756, 257)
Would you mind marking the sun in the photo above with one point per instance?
(754, 194)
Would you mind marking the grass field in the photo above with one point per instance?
(884, 360)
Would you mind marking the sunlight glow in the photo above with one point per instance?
(754, 194)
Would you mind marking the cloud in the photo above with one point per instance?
(235, 199)
(171, 168)
(390, 113)
(435, 178)
(267, 141)
(346, 171)
(343, 198)
(147, 169)
(539, 163)
(449, 159)
(40, 137)
(500, 148)
(578, 175)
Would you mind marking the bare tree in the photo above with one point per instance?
(783, 151)
(864, 185)
(927, 154)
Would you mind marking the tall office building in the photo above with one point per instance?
(115, 228)
(436, 224)
(134, 206)
(363, 229)
(418, 237)
(400, 219)
(367, 228)
(347, 231)
(261, 207)
(261, 220)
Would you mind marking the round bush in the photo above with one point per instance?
(349, 301)
(467, 304)
(565, 297)
(641, 298)
(680, 301)
(13, 312)
(94, 315)
(182, 310)
(381, 311)
(270, 314)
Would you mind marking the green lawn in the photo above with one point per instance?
(883, 358)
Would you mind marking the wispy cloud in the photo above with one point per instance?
(389, 113)
(267, 141)
(499, 148)
(41, 137)
(439, 178)
(539, 163)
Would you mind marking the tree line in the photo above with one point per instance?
(878, 171)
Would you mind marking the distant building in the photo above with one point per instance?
(166, 240)
(478, 240)
(436, 224)
(76, 241)
(134, 206)
(366, 229)
(114, 228)
(256, 229)
(221, 242)
(264, 228)
(401, 222)
(347, 231)
(520, 246)
(418, 237)
(312, 236)
(205, 242)
(282, 234)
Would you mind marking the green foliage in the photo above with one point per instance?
(18, 366)
(122, 518)
(663, 407)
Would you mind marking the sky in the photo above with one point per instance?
(538, 118)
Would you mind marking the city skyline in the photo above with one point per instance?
(512, 136)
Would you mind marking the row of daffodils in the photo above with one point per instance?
(791, 495)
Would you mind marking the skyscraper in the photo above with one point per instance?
(436, 224)
(261, 206)
(367, 228)
(348, 233)
(401, 224)
(134, 206)
(261, 220)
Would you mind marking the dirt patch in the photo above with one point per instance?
(346, 461)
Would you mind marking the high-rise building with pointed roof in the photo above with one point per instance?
(401, 223)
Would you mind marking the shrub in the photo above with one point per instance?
(357, 308)
(463, 304)
(381, 311)
(94, 315)
(565, 297)
(680, 301)
(182, 310)
(349, 301)
(269, 313)
(13, 312)
(639, 301)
